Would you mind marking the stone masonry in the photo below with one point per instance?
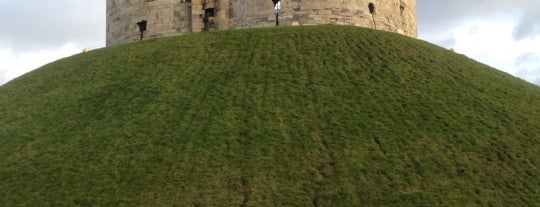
(176, 17)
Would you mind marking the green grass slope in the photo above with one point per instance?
(292, 116)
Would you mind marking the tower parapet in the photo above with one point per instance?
(176, 17)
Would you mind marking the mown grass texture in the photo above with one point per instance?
(291, 116)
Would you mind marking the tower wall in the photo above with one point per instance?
(177, 17)
(389, 15)
(164, 17)
(252, 13)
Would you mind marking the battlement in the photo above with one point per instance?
(176, 17)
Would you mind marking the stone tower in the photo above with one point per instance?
(177, 17)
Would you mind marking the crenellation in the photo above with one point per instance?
(177, 17)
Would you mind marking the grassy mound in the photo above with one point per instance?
(292, 116)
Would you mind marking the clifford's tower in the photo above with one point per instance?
(176, 17)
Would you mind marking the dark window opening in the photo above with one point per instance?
(142, 25)
(208, 19)
(401, 9)
(371, 7)
(209, 13)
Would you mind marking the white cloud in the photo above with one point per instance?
(493, 43)
(16, 64)
(30, 24)
(495, 32)
(37, 32)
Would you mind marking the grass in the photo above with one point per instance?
(290, 116)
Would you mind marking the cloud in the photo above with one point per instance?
(442, 15)
(16, 64)
(529, 66)
(34, 33)
(527, 57)
(502, 33)
(530, 74)
(29, 25)
(528, 25)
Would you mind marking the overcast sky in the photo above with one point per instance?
(504, 34)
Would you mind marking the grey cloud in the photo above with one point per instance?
(529, 64)
(529, 24)
(530, 73)
(440, 15)
(437, 21)
(437, 16)
(527, 58)
(29, 24)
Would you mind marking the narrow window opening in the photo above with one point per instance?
(277, 9)
(403, 18)
(372, 11)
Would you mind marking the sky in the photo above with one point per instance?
(504, 34)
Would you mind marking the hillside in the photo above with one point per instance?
(290, 116)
